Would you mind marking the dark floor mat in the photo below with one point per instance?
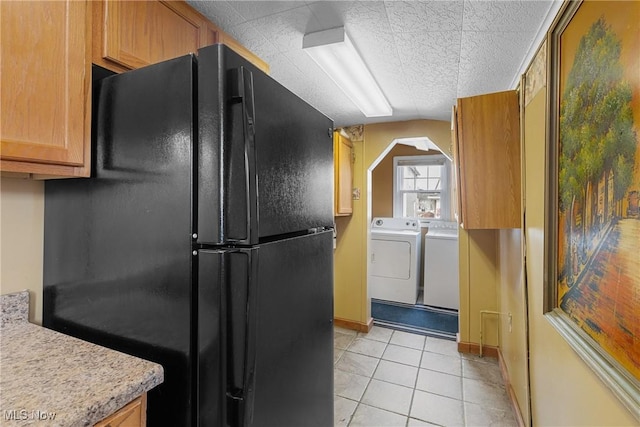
(415, 318)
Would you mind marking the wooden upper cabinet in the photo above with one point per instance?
(227, 40)
(133, 34)
(457, 204)
(343, 174)
(488, 160)
(45, 77)
(210, 34)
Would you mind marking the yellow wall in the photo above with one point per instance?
(351, 299)
(478, 248)
(21, 240)
(563, 390)
(513, 320)
(382, 179)
(478, 277)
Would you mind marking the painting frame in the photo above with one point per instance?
(624, 384)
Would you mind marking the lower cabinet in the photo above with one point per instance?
(132, 415)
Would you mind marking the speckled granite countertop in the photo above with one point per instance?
(51, 379)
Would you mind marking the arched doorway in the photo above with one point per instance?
(392, 191)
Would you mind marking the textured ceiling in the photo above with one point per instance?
(423, 54)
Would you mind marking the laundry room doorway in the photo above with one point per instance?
(412, 191)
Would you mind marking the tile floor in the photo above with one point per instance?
(394, 378)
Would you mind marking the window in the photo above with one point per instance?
(421, 187)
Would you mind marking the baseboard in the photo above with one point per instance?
(473, 348)
(510, 391)
(356, 326)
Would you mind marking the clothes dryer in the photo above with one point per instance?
(394, 264)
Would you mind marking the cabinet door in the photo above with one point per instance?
(133, 34)
(133, 414)
(489, 160)
(45, 79)
(227, 40)
(343, 175)
(456, 167)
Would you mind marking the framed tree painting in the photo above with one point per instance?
(593, 187)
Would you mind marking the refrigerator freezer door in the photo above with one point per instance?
(293, 154)
(294, 349)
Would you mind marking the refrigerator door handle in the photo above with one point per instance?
(242, 92)
(250, 352)
(240, 324)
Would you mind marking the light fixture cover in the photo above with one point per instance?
(333, 51)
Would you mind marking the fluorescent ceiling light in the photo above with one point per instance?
(336, 55)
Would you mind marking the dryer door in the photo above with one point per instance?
(390, 259)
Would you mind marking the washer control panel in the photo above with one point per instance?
(396, 224)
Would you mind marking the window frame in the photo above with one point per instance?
(445, 191)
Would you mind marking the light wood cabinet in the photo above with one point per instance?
(47, 48)
(457, 202)
(133, 414)
(45, 77)
(227, 40)
(343, 174)
(132, 34)
(487, 155)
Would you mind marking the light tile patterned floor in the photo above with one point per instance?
(394, 378)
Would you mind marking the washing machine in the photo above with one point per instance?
(441, 286)
(394, 265)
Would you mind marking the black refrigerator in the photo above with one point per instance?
(203, 241)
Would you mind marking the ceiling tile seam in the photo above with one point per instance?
(302, 4)
(290, 62)
(283, 50)
(415, 101)
(302, 72)
(460, 52)
(244, 42)
(245, 20)
(416, 111)
(314, 14)
(540, 34)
